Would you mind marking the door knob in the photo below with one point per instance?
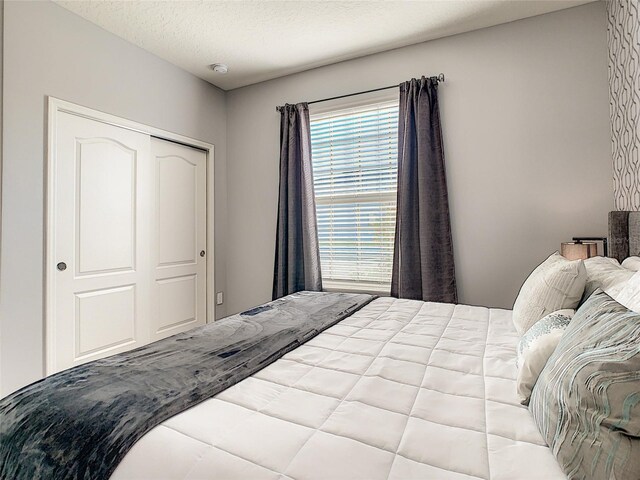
(202, 254)
(61, 266)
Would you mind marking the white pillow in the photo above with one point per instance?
(556, 284)
(631, 263)
(630, 294)
(535, 348)
(605, 273)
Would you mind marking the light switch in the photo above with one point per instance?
(219, 298)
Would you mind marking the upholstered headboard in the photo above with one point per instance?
(624, 234)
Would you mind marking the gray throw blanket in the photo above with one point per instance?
(80, 423)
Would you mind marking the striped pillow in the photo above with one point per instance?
(555, 284)
(586, 402)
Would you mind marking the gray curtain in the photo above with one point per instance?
(423, 267)
(297, 263)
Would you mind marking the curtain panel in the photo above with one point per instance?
(297, 257)
(423, 265)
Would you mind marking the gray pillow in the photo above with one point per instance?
(586, 401)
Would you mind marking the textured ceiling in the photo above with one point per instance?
(261, 40)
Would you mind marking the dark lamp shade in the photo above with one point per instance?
(578, 250)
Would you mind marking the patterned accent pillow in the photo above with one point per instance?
(535, 348)
(555, 284)
(586, 402)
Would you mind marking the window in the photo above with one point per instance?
(355, 166)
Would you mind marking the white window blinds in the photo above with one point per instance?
(355, 165)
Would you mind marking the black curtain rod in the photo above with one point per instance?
(440, 78)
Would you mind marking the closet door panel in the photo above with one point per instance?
(103, 185)
(177, 190)
(177, 303)
(179, 243)
(106, 206)
(105, 319)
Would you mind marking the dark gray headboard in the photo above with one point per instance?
(624, 235)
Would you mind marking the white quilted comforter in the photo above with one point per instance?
(401, 390)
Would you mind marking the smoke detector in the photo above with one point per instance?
(219, 68)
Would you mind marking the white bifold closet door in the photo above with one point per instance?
(129, 240)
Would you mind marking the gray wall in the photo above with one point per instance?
(525, 115)
(50, 51)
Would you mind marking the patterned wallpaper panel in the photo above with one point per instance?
(624, 94)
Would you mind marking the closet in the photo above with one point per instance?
(127, 248)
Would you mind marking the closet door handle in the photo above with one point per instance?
(202, 253)
(61, 266)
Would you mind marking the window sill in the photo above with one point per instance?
(353, 287)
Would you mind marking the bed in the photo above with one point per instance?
(401, 389)
(392, 389)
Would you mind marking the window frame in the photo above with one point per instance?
(328, 107)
